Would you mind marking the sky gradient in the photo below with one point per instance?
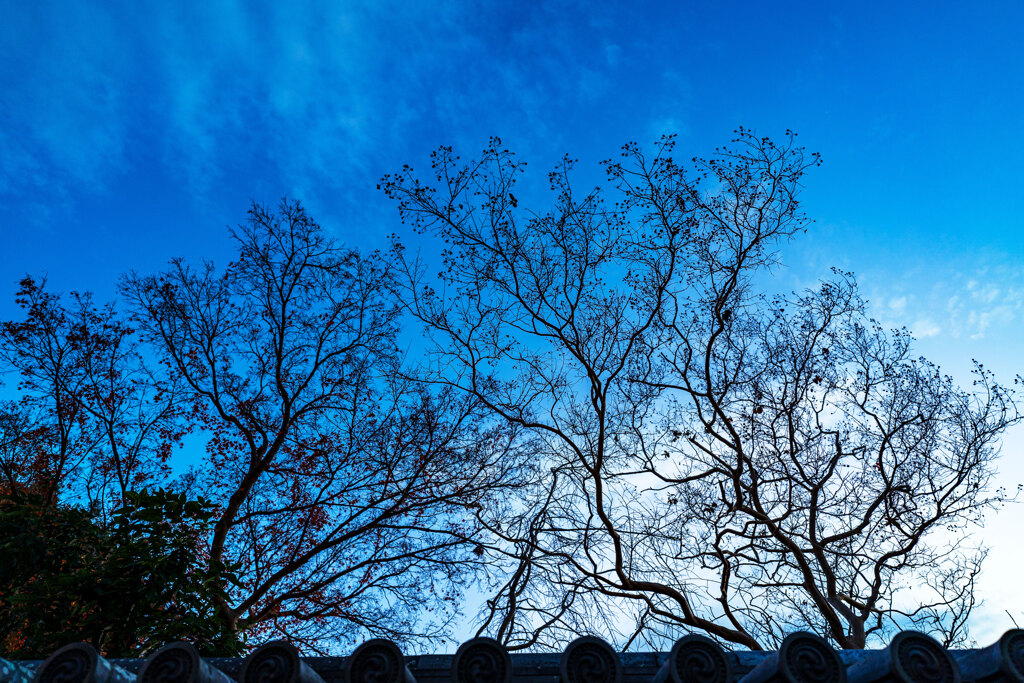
(132, 132)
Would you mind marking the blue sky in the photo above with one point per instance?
(132, 132)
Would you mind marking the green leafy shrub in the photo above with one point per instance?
(126, 587)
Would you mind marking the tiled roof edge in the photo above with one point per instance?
(802, 658)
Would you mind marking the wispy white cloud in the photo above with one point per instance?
(314, 95)
(994, 296)
(958, 304)
(924, 328)
(898, 305)
(64, 117)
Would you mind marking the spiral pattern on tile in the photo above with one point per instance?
(271, 664)
(922, 659)
(482, 660)
(71, 664)
(172, 665)
(590, 660)
(377, 661)
(696, 659)
(808, 658)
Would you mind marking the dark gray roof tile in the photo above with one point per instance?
(803, 658)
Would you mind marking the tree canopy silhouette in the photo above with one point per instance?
(341, 488)
(345, 487)
(607, 420)
(715, 458)
(93, 420)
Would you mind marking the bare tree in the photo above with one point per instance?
(844, 471)
(717, 460)
(138, 413)
(95, 424)
(346, 489)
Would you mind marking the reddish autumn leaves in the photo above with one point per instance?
(92, 420)
(344, 488)
(344, 481)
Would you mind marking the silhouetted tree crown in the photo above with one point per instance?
(714, 458)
